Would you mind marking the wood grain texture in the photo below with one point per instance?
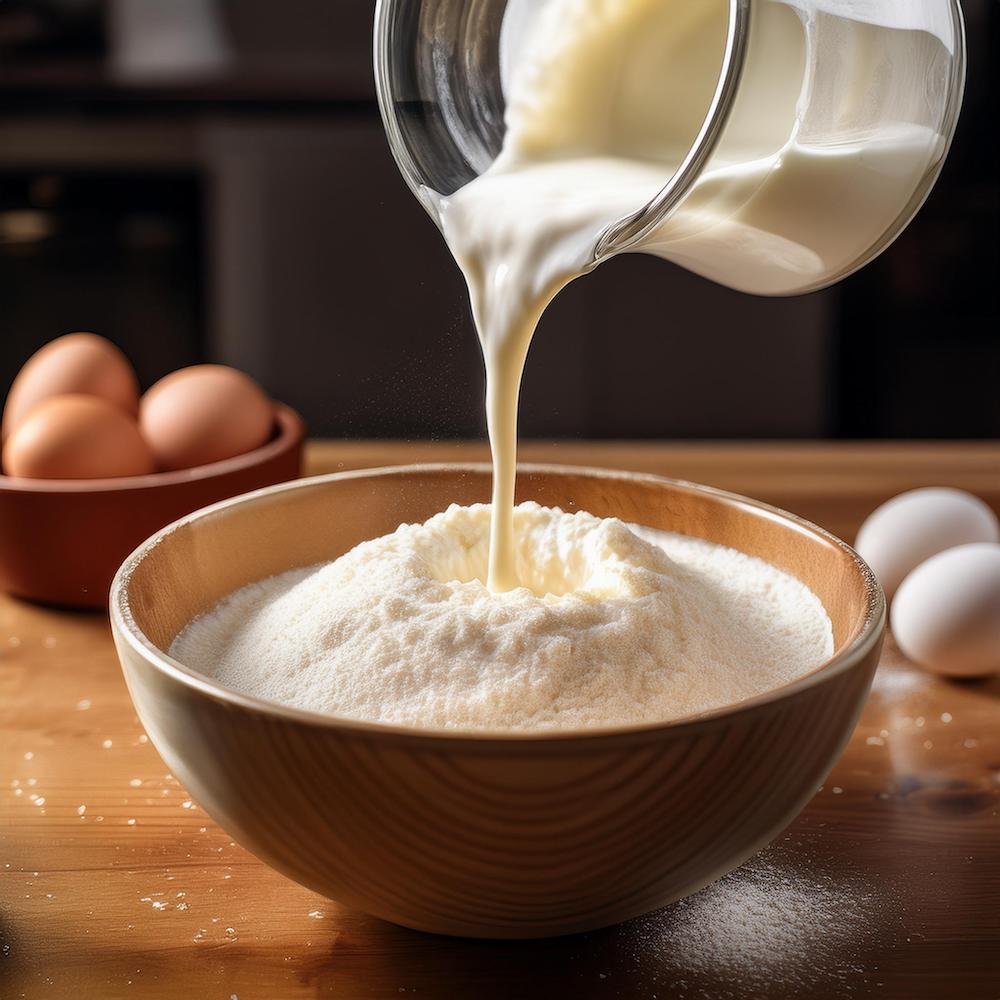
(469, 835)
(906, 828)
(834, 484)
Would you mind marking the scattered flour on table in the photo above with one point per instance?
(769, 930)
(612, 625)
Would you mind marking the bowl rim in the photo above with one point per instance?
(290, 431)
(851, 655)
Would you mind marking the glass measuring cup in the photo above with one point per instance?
(791, 180)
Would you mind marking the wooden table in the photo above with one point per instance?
(114, 884)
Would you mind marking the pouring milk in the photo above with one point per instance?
(604, 100)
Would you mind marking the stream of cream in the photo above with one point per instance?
(604, 99)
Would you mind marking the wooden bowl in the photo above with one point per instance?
(487, 835)
(61, 541)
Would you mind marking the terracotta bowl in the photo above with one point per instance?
(61, 541)
(487, 835)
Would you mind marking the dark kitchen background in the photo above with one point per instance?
(204, 180)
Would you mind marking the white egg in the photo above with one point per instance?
(946, 616)
(909, 529)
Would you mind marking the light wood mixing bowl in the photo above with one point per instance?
(487, 835)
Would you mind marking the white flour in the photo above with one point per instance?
(607, 628)
(769, 930)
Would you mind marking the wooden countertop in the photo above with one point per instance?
(114, 884)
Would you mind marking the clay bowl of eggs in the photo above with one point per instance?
(936, 552)
(497, 835)
(91, 467)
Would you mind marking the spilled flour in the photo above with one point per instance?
(768, 930)
(611, 626)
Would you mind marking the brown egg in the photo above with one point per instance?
(77, 437)
(204, 414)
(77, 363)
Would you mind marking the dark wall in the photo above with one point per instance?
(254, 216)
(917, 336)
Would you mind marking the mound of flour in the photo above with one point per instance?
(611, 626)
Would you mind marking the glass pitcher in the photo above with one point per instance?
(791, 181)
